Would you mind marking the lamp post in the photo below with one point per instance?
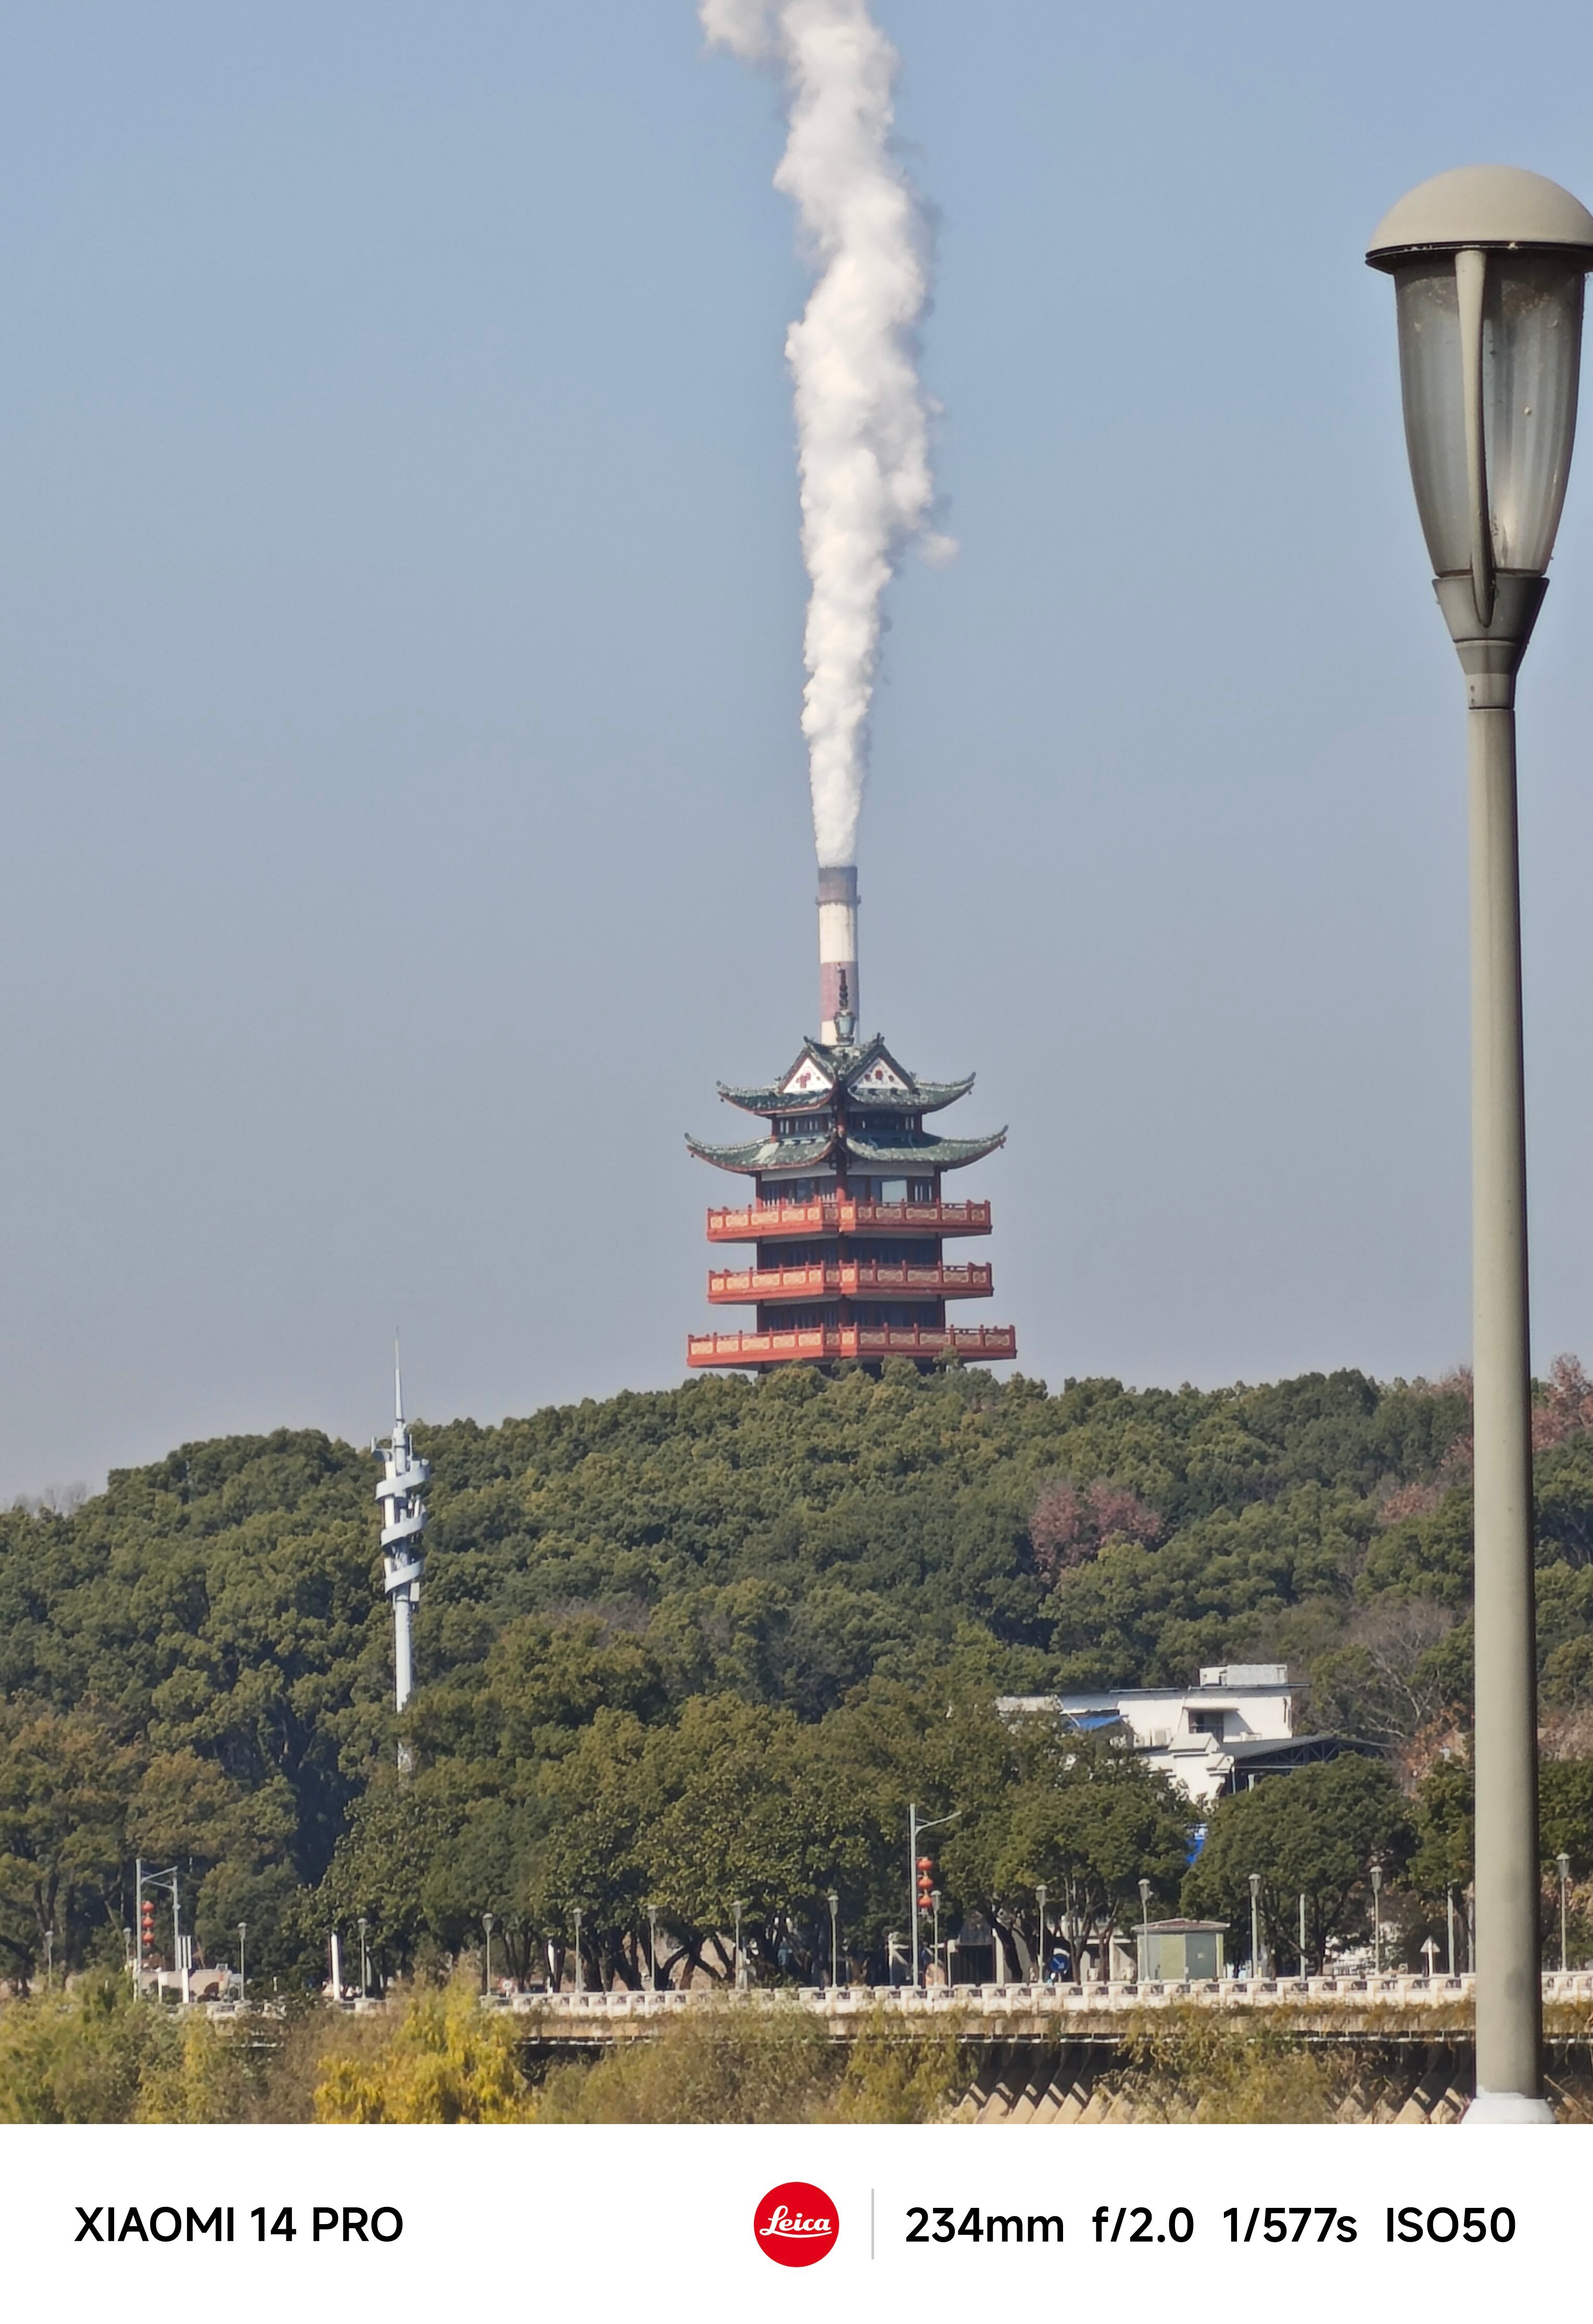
(915, 1831)
(833, 1902)
(1255, 1925)
(486, 1974)
(1488, 267)
(580, 1976)
(652, 1947)
(1144, 1928)
(1565, 1864)
(1304, 1971)
(1377, 1919)
(935, 1928)
(1040, 1904)
(738, 1907)
(364, 1927)
(1449, 1920)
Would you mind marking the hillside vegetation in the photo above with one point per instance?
(705, 1643)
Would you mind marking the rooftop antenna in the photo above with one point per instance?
(403, 1515)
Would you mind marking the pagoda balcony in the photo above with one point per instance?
(792, 1221)
(844, 1278)
(836, 1343)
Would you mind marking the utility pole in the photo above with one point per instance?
(915, 1831)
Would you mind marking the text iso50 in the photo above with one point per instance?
(1444, 2224)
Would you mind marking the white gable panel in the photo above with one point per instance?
(804, 1080)
(880, 1080)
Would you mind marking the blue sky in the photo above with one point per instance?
(399, 626)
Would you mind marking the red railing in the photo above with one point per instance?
(995, 1342)
(846, 1278)
(797, 1220)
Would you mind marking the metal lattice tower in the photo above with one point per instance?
(403, 1514)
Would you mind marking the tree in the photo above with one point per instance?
(591, 1852)
(1315, 1832)
(65, 1784)
(1565, 1814)
(750, 1807)
(1083, 1815)
(1071, 1521)
(445, 2061)
(1391, 1678)
(1442, 1859)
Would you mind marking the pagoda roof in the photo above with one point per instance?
(915, 1152)
(922, 1152)
(767, 1153)
(865, 1071)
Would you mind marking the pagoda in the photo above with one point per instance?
(846, 1213)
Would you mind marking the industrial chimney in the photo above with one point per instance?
(838, 1005)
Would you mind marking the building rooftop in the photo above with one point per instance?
(866, 1073)
(911, 1150)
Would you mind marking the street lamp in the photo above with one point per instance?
(1255, 1925)
(914, 1832)
(1304, 1971)
(1488, 266)
(486, 1922)
(1040, 1903)
(243, 1986)
(1449, 1920)
(652, 1946)
(1145, 1927)
(738, 1907)
(1377, 1919)
(1565, 1864)
(935, 1935)
(365, 1962)
(834, 1901)
(580, 1976)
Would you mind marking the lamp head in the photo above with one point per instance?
(1488, 266)
(1487, 208)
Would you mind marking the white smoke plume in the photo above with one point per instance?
(862, 419)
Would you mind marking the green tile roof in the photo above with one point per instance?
(849, 1067)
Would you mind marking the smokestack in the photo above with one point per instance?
(838, 1009)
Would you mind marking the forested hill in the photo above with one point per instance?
(196, 1664)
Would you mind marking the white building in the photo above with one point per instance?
(1221, 1736)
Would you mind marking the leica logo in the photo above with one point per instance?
(796, 2224)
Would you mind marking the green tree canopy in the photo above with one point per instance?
(1317, 1834)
